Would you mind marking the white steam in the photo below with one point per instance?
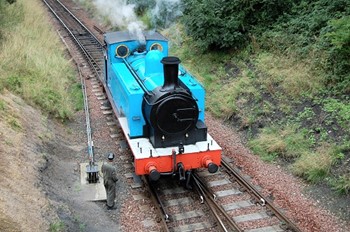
(122, 15)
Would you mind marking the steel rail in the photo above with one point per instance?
(203, 196)
(263, 201)
(215, 207)
(159, 205)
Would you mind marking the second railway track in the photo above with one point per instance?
(89, 45)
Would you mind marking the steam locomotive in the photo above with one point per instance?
(159, 105)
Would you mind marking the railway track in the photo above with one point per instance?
(181, 209)
(224, 201)
(89, 45)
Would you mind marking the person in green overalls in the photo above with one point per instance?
(109, 181)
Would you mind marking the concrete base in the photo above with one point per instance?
(92, 192)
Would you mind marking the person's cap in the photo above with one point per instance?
(110, 156)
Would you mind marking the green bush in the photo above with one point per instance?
(142, 6)
(317, 31)
(339, 110)
(227, 24)
(311, 30)
(338, 60)
(303, 25)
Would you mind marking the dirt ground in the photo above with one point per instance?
(24, 204)
(40, 187)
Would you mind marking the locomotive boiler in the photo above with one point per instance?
(159, 105)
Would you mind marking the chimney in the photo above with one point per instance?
(171, 72)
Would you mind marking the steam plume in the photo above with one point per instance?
(122, 15)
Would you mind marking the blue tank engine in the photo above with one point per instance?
(159, 105)
(159, 99)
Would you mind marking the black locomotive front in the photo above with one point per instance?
(171, 111)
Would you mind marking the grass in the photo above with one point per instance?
(315, 166)
(14, 124)
(57, 227)
(339, 110)
(341, 184)
(9, 115)
(82, 225)
(296, 78)
(284, 142)
(2, 106)
(77, 94)
(34, 65)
